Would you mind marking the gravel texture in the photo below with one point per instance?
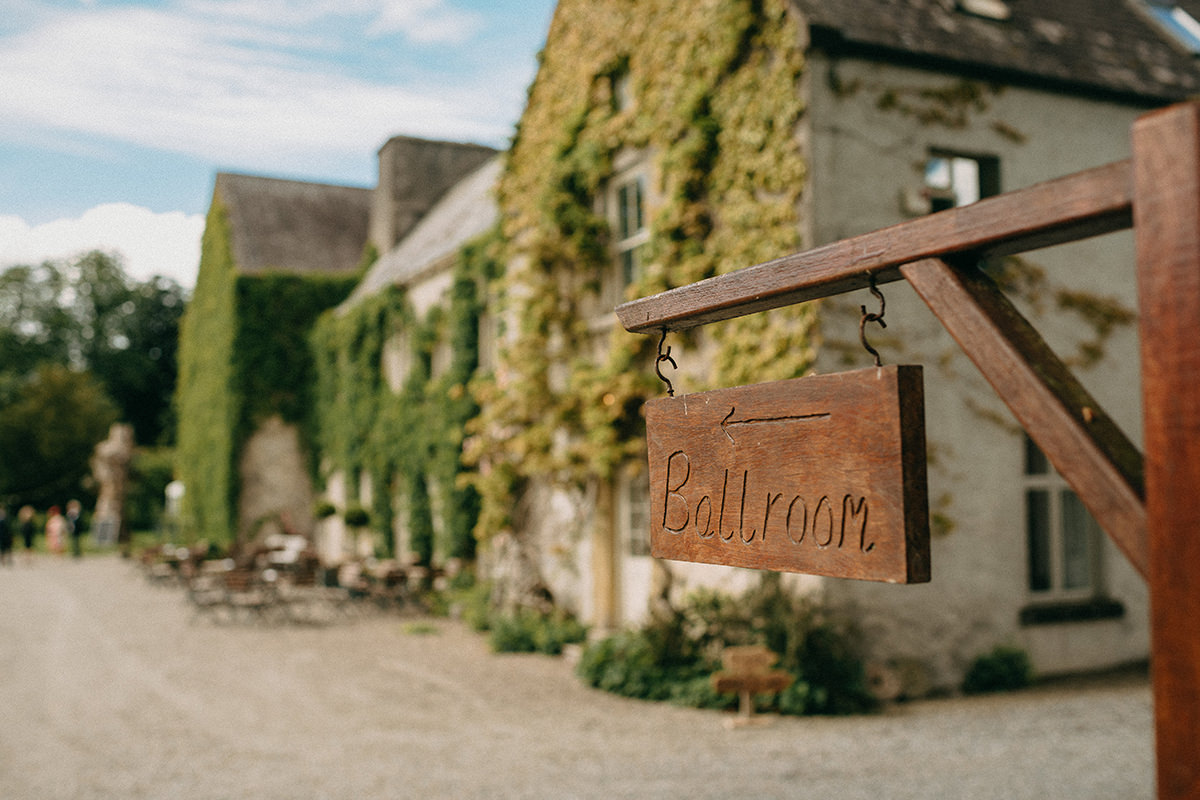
(110, 689)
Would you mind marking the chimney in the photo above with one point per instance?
(413, 175)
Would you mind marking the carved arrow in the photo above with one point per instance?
(728, 423)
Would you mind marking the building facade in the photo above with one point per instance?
(674, 149)
(275, 255)
(477, 381)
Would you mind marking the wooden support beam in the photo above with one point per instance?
(1084, 444)
(1085, 204)
(1166, 168)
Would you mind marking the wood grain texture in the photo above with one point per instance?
(823, 475)
(1082, 442)
(772, 681)
(1166, 160)
(1085, 204)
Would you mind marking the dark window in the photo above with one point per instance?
(1063, 538)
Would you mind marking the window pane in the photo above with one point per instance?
(937, 173)
(1037, 523)
(629, 266)
(623, 203)
(629, 208)
(1035, 459)
(965, 176)
(1077, 542)
(638, 222)
(639, 515)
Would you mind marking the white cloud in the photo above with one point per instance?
(271, 87)
(150, 243)
(214, 81)
(425, 21)
(420, 21)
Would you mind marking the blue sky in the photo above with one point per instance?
(115, 116)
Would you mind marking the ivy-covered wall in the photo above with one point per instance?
(207, 409)
(714, 100)
(407, 442)
(244, 358)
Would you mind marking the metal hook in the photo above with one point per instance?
(862, 324)
(665, 357)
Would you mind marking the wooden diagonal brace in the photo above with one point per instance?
(1081, 441)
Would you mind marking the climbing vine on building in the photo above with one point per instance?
(713, 108)
(405, 439)
(243, 359)
(207, 411)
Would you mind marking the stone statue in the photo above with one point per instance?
(110, 468)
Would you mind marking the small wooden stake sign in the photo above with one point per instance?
(822, 475)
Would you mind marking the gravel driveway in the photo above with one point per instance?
(108, 689)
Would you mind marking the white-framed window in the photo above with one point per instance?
(955, 179)
(626, 207)
(622, 90)
(440, 359)
(1064, 542)
(489, 341)
(397, 359)
(628, 220)
(633, 512)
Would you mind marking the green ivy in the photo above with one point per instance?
(272, 362)
(206, 406)
(243, 358)
(716, 105)
(411, 440)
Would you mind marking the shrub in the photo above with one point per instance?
(357, 517)
(150, 472)
(1004, 669)
(529, 631)
(465, 598)
(673, 657)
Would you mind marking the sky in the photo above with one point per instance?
(116, 115)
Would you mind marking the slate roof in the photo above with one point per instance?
(294, 226)
(1111, 47)
(466, 211)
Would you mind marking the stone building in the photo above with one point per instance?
(657, 149)
(660, 148)
(423, 270)
(276, 253)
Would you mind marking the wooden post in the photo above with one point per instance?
(747, 673)
(1166, 161)
(1164, 204)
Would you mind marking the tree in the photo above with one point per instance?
(88, 314)
(34, 328)
(48, 432)
(136, 357)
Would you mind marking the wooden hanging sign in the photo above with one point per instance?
(822, 475)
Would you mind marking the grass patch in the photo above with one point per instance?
(421, 628)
